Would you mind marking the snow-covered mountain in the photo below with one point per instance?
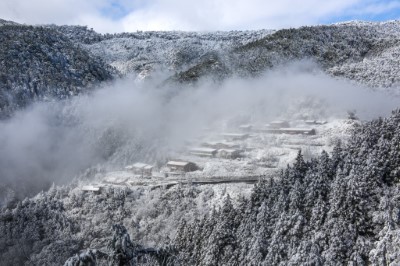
(355, 51)
(115, 99)
(38, 63)
(365, 52)
(49, 61)
(7, 22)
(169, 51)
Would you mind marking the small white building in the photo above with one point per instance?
(228, 153)
(235, 136)
(292, 131)
(315, 122)
(181, 166)
(145, 170)
(92, 189)
(221, 145)
(203, 152)
(278, 124)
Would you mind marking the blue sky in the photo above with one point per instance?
(115, 10)
(383, 10)
(205, 15)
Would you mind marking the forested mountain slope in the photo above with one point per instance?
(170, 52)
(49, 61)
(363, 52)
(337, 209)
(38, 63)
(340, 209)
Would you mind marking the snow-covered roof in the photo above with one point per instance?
(201, 149)
(90, 188)
(235, 135)
(278, 122)
(316, 122)
(228, 150)
(177, 163)
(295, 129)
(138, 166)
(219, 142)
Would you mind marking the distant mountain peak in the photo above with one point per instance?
(4, 22)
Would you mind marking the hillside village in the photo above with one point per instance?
(243, 155)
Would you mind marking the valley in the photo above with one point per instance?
(264, 147)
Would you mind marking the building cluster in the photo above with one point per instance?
(230, 147)
(227, 148)
(142, 169)
(283, 127)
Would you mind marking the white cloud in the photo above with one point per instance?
(45, 11)
(231, 15)
(132, 15)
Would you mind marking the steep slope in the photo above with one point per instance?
(38, 63)
(379, 67)
(211, 65)
(78, 34)
(327, 45)
(4, 22)
(367, 53)
(167, 51)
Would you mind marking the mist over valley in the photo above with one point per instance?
(267, 147)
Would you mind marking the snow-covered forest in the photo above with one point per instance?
(336, 209)
(54, 62)
(78, 108)
(340, 208)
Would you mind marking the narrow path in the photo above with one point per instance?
(208, 181)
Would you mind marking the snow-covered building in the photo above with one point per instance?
(292, 131)
(140, 169)
(204, 152)
(278, 124)
(315, 122)
(235, 136)
(181, 166)
(91, 188)
(221, 145)
(228, 153)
